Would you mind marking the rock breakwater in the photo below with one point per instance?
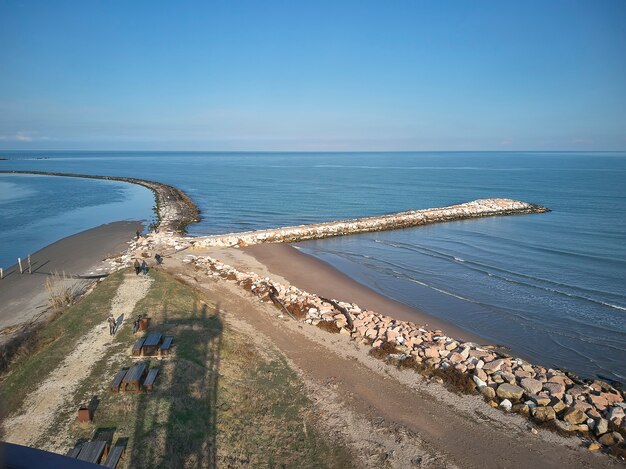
(591, 408)
(174, 209)
(475, 209)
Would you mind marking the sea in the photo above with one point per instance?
(550, 287)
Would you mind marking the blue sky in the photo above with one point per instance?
(313, 75)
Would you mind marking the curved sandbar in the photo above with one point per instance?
(175, 209)
(475, 209)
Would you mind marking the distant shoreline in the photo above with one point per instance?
(174, 209)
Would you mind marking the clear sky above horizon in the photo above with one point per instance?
(323, 75)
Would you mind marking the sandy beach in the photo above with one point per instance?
(316, 276)
(24, 297)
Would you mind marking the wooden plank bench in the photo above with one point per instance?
(166, 346)
(75, 451)
(149, 382)
(137, 347)
(93, 451)
(151, 344)
(114, 455)
(117, 381)
(133, 377)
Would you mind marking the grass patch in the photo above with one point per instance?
(54, 342)
(218, 401)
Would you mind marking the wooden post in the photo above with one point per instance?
(19, 261)
(1, 273)
(30, 270)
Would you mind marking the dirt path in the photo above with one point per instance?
(393, 417)
(43, 404)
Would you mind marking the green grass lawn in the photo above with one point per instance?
(217, 400)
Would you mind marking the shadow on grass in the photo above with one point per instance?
(183, 404)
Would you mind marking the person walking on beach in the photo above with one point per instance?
(158, 258)
(144, 267)
(138, 234)
(136, 324)
(137, 267)
(112, 324)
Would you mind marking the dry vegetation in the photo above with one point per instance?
(217, 401)
(63, 291)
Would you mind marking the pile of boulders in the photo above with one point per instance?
(560, 398)
(474, 209)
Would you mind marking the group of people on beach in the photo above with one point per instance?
(140, 268)
(143, 266)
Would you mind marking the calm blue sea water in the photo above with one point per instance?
(37, 210)
(549, 286)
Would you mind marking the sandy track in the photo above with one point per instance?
(55, 394)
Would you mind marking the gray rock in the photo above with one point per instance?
(479, 382)
(574, 416)
(531, 385)
(601, 427)
(539, 400)
(510, 391)
(488, 392)
(543, 414)
(565, 426)
(608, 439)
(506, 405)
(615, 415)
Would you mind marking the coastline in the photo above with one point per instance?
(174, 209)
(387, 326)
(316, 276)
(81, 256)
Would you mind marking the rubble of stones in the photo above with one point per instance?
(571, 404)
(175, 210)
(474, 209)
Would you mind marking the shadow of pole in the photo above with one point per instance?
(184, 403)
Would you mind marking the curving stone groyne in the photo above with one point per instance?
(174, 209)
(475, 209)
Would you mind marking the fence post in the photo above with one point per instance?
(1, 273)
(19, 261)
(30, 270)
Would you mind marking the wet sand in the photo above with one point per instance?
(316, 276)
(24, 297)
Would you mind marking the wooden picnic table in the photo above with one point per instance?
(133, 377)
(93, 451)
(149, 382)
(152, 343)
(117, 381)
(166, 346)
(138, 345)
(114, 456)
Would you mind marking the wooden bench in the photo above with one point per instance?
(75, 451)
(166, 346)
(151, 344)
(137, 347)
(117, 381)
(93, 451)
(149, 382)
(133, 378)
(114, 455)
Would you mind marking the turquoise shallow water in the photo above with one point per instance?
(550, 286)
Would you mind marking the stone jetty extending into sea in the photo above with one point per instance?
(475, 209)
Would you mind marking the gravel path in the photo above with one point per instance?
(56, 393)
